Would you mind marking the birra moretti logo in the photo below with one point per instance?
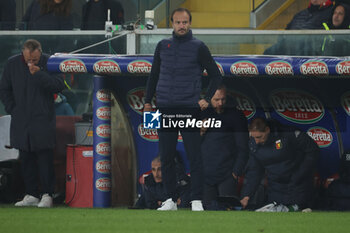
(103, 113)
(139, 67)
(103, 95)
(279, 68)
(106, 67)
(103, 166)
(72, 66)
(345, 102)
(103, 184)
(314, 68)
(103, 131)
(244, 68)
(244, 104)
(321, 136)
(297, 106)
(103, 148)
(136, 98)
(343, 68)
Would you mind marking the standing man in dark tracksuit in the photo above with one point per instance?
(27, 91)
(224, 150)
(175, 77)
(288, 158)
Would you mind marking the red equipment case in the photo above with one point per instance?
(79, 176)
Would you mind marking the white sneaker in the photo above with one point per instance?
(169, 204)
(197, 205)
(273, 207)
(28, 200)
(46, 201)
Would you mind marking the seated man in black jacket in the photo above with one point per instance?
(287, 157)
(154, 193)
(224, 150)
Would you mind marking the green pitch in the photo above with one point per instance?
(66, 220)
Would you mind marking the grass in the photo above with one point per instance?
(75, 220)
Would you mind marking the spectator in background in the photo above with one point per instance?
(225, 151)
(337, 45)
(95, 14)
(26, 90)
(48, 15)
(154, 192)
(62, 107)
(288, 158)
(7, 14)
(312, 17)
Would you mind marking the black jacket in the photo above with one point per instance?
(288, 158)
(225, 150)
(34, 20)
(310, 18)
(116, 15)
(30, 101)
(7, 14)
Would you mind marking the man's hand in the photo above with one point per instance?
(244, 202)
(203, 130)
(203, 104)
(147, 107)
(33, 68)
(234, 176)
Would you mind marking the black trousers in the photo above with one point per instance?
(35, 165)
(226, 188)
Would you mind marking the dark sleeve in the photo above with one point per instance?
(151, 201)
(26, 16)
(241, 143)
(6, 91)
(117, 13)
(8, 15)
(253, 177)
(208, 63)
(154, 75)
(309, 156)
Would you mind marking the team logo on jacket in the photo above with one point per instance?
(278, 144)
(297, 106)
(205, 73)
(343, 68)
(103, 148)
(103, 95)
(103, 113)
(244, 68)
(72, 66)
(244, 104)
(103, 184)
(103, 166)
(321, 136)
(103, 131)
(149, 134)
(136, 99)
(345, 102)
(139, 67)
(106, 67)
(314, 67)
(279, 68)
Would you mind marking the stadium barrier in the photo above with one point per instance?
(312, 93)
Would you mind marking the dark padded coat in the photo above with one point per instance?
(30, 101)
(225, 150)
(288, 158)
